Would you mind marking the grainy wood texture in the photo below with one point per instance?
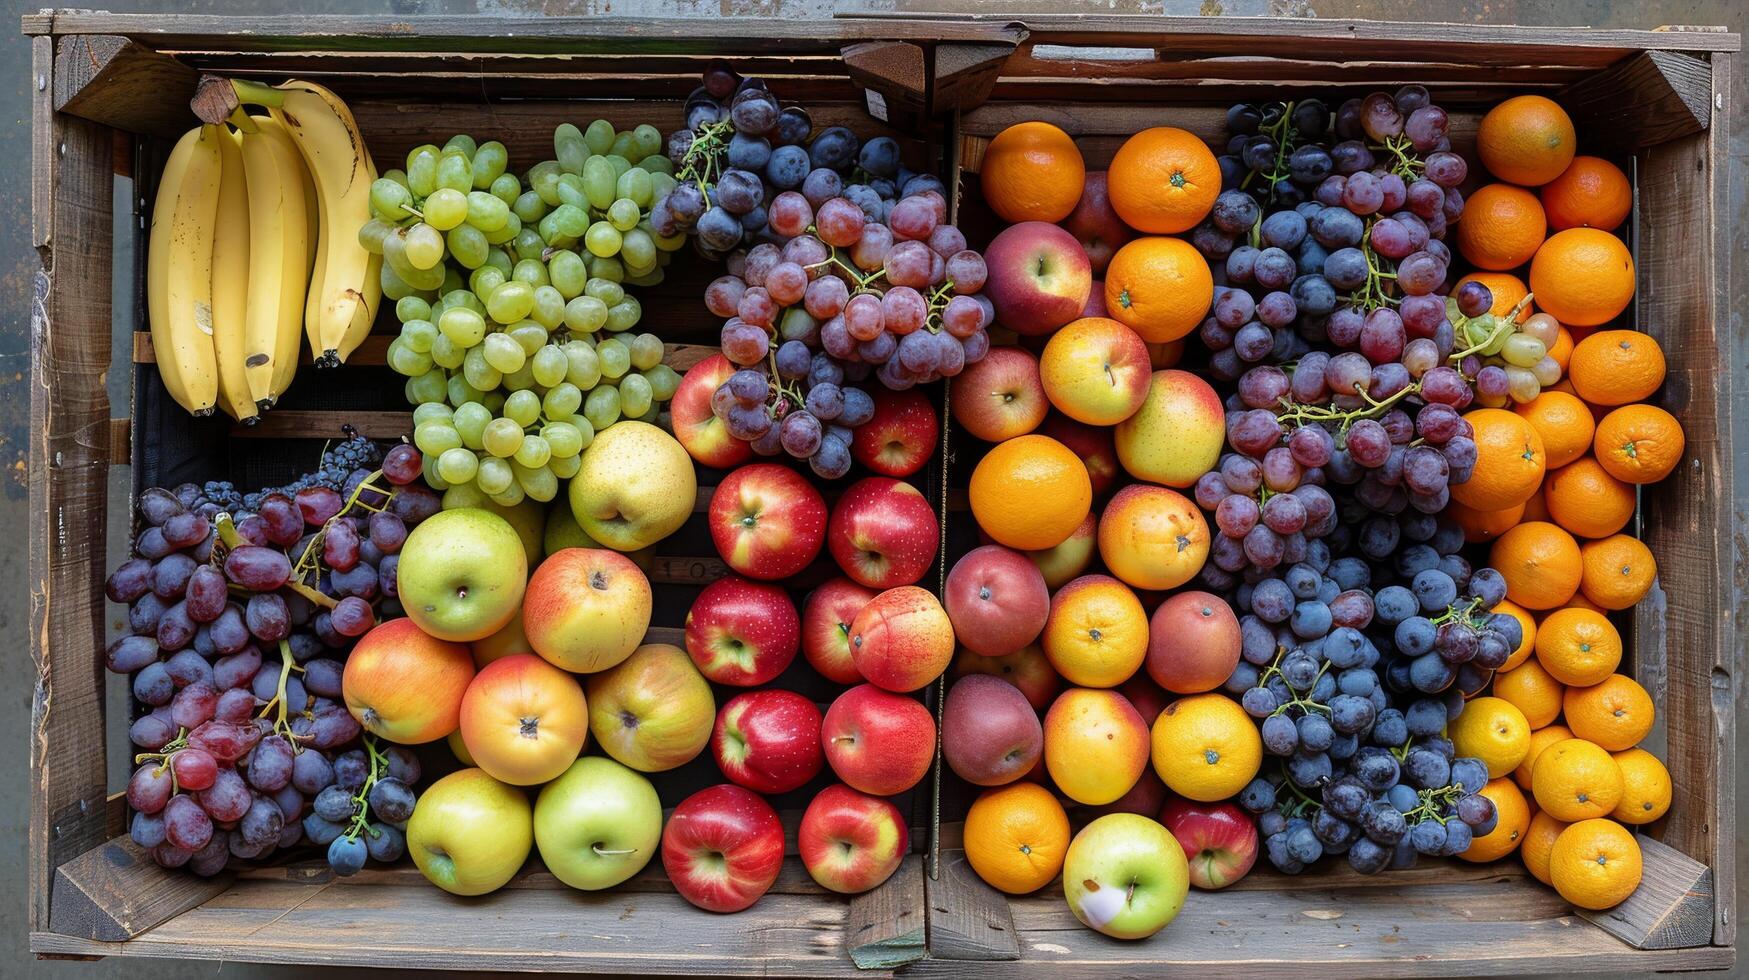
(1686, 519)
(1672, 908)
(1651, 98)
(374, 352)
(113, 81)
(69, 468)
(964, 75)
(884, 927)
(894, 70)
(116, 891)
(968, 920)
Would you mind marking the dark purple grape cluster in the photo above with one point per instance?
(238, 625)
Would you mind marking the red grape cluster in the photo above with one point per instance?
(236, 740)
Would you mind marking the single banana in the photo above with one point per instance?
(179, 269)
(345, 289)
(280, 238)
(230, 271)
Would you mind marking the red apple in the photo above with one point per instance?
(1096, 300)
(990, 735)
(1144, 798)
(741, 632)
(1096, 370)
(877, 741)
(1193, 643)
(768, 741)
(1219, 840)
(586, 609)
(1039, 277)
(1027, 669)
(826, 619)
(1093, 443)
(1095, 223)
(404, 685)
(1145, 696)
(999, 397)
(900, 439)
(851, 842)
(723, 848)
(767, 521)
(997, 600)
(902, 640)
(696, 426)
(883, 532)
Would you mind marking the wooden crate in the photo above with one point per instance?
(111, 88)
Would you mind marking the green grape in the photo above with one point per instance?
(620, 165)
(387, 197)
(549, 307)
(607, 291)
(452, 280)
(510, 302)
(486, 212)
(493, 400)
(637, 249)
(528, 247)
(454, 170)
(428, 388)
(585, 314)
(469, 495)
(463, 144)
(603, 239)
(499, 258)
(543, 179)
(668, 243)
(598, 182)
(539, 482)
(562, 398)
(635, 395)
(462, 326)
(616, 358)
(1546, 371)
(435, 436)
(562, 438)
(661, 182)
(460, 392)
(521, 379)
(529, 207)
(468, 244)
(445, 208)
(485, 280)
(624, 314)
(658, 164)
(457, 466)
(568, 273)
(432, 412)
(622, 144)
(466, 299)
(479, 372)
(664, 382)
(424, 249)
(585, 427)
(405, 360)
(507, 188)
(502, 352)
(1523, 350)
(394, 287)
(522, 407)
(511, 496)
(530, 269)
(646, 140)
(634, 185)
(412, 308)
(569, 147)
(645, 349)
(470, 422)
(548, 367)
(565, 467)
(446, 353)
(571, 191)
(502, 437)
(490, 161)
(610, 269)
(372, 233)
(652, 278)
(533, 452)
(422, 170)
(395, 174)
(583, 366)
(530, 335)
(512, 228)
(623, 215)
(599, 136)
(601, 408)
(494, 476)
(428, 466)
(395, 259)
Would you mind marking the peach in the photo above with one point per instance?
(524, 721)
(1097, 633)
(1193, 643)
(1027, 669)
(1177, 434)
(1096, 370)
(1039, 277)
(1152, 537)
(405, 685)
(1095, 224)
(1071, 558)
(1096, 745)
(999, 397)
(990, 735)
(1147, 697)
(902, 639)
(997, 600)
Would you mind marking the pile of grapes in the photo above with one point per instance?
(515, 321)
(852, 269)
(239, 620)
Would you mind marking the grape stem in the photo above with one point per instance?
(1281, 131)
(700, 162)
(309, 564)
(1306, 704)
(280, 723)
(164, 753)
(1407, 165)
(1373, 294)
(379, 763)
(1301, 415)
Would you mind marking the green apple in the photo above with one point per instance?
(462, 574)
(635, 486)
(598, 824)
(562, 532)
(469, 833)
(1125, 875)
(529, 518)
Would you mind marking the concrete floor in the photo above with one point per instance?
(18, 263)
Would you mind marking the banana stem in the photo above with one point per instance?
(241, 120)
(256, 93)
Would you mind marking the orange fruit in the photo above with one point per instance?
(1096, 633)
(1617, 571)
(1032, 171)
(1540, 739)
(1159, 287)
(1583, 498)
(1576, 780)
(1595, 864)
(1578, 647)
(1527, 629)
(1539, 840)
(1016, 836)
(1509, 461)
(1615, 367)
(1582, 277)
(1153, 538)
(1615, 714)
(1564, 424)
(1030, 492)
(1507, 288)
(1579, 601)
(1638, 443)
(1537, 507)
(1493, 730)
(1562, 352)
(1502, 229)
(1531, 689)
(1484, 525)
(1163, 181)
(1590, 193)
(1646, 787)
(1508, 832)
(1528, 140)
(1540, 563)
(1205, 747)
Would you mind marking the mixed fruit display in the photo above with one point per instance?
(1300, 473)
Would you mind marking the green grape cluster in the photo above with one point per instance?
(516, 328)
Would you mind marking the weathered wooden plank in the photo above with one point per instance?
(968, 920)
(963, 75)
(884, 927)
(1653, 97)
(115, 891)
(895, 70)
(1672, 908)
(42, 146)
(374, 352)
(113, 81)
(291, 423)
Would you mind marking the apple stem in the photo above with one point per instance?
(604, 851)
